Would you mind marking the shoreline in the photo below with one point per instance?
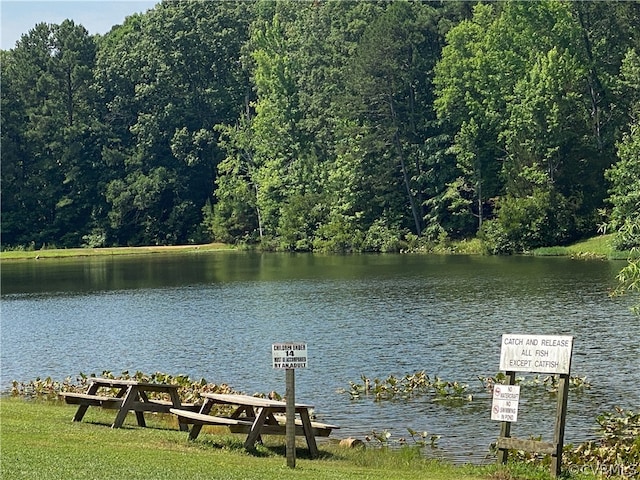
(111, 251)
(598, 247)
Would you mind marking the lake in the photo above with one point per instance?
(216, 314)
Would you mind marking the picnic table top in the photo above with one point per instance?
(116, 382)
(248, 400)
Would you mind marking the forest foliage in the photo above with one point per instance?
(334, 126)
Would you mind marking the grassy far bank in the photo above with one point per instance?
(39, 440)
(85, 252)
(595, 247)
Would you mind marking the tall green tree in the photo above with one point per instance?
(280, 151)
(167, 78)
(532, 116)
(392, 84)
(545, 144)
(338, 148)
(16, 223)
(624, 175)
(264, 144)
(472, 81)
(52, 135)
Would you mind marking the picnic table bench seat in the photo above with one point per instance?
(73, 398)
(188, 416)
(161, 406)
(244, 424)
(319, 429)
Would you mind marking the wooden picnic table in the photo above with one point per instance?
(254, 416)
(130, 395)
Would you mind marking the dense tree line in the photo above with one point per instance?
(326, 125)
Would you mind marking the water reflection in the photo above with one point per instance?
(215, 316)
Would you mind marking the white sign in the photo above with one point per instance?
(536, 353)
(505, 403)
(289, 355)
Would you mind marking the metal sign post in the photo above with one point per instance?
(290, 356)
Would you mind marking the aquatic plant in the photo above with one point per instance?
(48, 389)
(451, 393)
(616, 453)
(384, 438)
(408, 386)
(547, 382)
(424, 438)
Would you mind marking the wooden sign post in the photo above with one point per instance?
(537, 354)
(290, 356)
(290, 425)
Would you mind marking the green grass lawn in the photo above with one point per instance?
(594, 247)
(38, 440)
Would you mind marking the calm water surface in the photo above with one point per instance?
(215, 315)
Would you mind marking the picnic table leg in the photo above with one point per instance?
(204, 410)
(82, 409)
(308, 432)
(129, 397)
(142, 396)
(175, 400)
(256, 428)
(140, 418)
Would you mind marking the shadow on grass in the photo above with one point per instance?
(130, 426)
(230, 443)
(260, 450)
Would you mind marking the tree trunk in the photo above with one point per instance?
(405, 176)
